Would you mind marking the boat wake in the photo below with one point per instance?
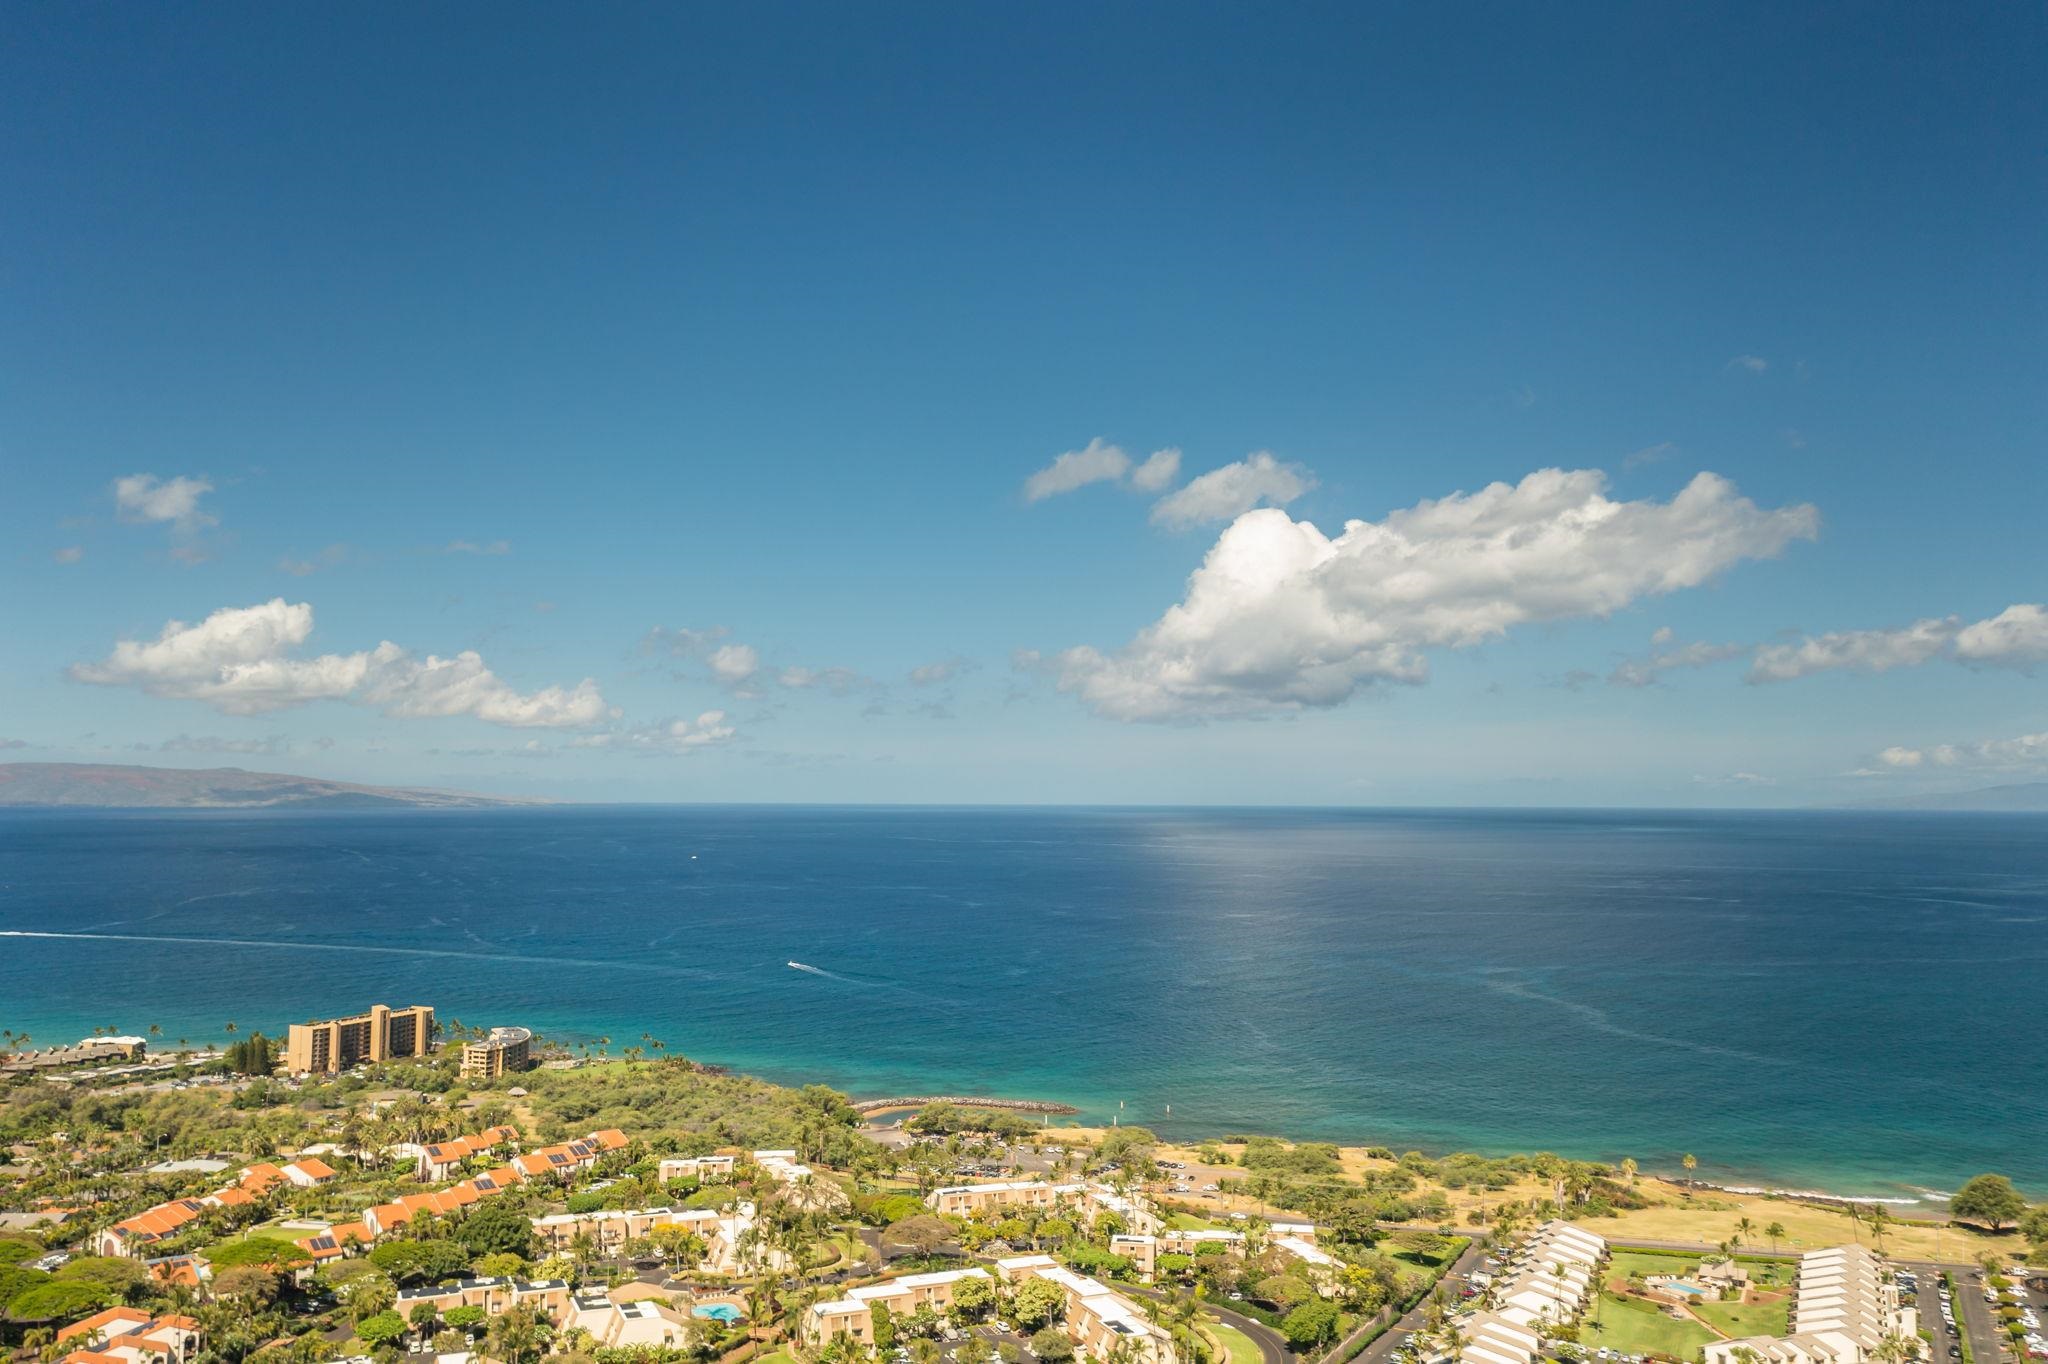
(820, 971)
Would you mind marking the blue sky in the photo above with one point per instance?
(665, 386)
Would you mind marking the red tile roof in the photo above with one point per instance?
(99, 1321)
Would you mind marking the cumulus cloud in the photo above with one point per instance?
(415, 688)
(1158, 472)
(1280, 616)
(240, 660)
(943, 670)
(1101, 462)
(838, 681)
(734, 665)
(1097, 462)
(668, 736)
(1750, 364)
(1667, 655)
(69, 554)
(2016, 637)
(1232, 490)
(2027, 752)
(147, 498)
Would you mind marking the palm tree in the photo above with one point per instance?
(1879, 1219)
(1774, 1233)
(1743, 1228)
(1691, 1162)
(1628, 1169)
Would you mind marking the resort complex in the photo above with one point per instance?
(505, 1051)
(382, 1034)
(1846, 1311)
(436, 1206)
(1545, 1283)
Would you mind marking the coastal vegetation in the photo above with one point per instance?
(1392, 1222)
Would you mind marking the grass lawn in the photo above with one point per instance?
(1638, 1328)
(1242, 1350)
(1711, 1218)
(777, 1357)
(1184, 1221)
(1773, 1274)
(1747, 1319)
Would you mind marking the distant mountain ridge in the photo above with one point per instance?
(2032, 795)
(110, 786)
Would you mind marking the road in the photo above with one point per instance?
(1272, 1345)
(1418, 1316)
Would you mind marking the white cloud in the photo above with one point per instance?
(147, 498)
(2028, 752)
(734, 665)
(490, 547)
(1753, 364)
(838, 681)
(1098, 462)
(238, 660)
(1668, 656)
(1158, 472)
(1233, 490)
(2016, 637)
(1649, 454)
(668, 736)
(1280, 617)
(413, 688)
(234, 660)
(1734, 779)
(943, 670)
(682, 642)
(69, 554)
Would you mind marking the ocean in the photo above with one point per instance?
(1838, 1001)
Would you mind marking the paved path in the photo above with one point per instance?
(1272, 1345)
(1418, 1316)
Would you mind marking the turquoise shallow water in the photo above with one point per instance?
(1838, 1001)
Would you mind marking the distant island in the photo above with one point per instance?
(111, 786)
(2032, 795)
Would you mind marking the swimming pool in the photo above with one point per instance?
(717, 1311)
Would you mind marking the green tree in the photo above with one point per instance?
(1774, 1233)
(1310, 1325)
(1037, 1304)
(252, 1285)
(1051, 1344)
(973, 1297)
(1989, 1201)
(496, 1227)
(384, 1328)
(57, 1302)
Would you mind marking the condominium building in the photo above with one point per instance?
(1097, 1318)
(382, 1034)
(1547, 1281)
(1846, 1306)
(703, 1169)
(507, 1051)
(1088, 1201)
(495, 1296)
(854, 1315)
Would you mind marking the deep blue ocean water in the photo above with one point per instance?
(1844, 1001)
